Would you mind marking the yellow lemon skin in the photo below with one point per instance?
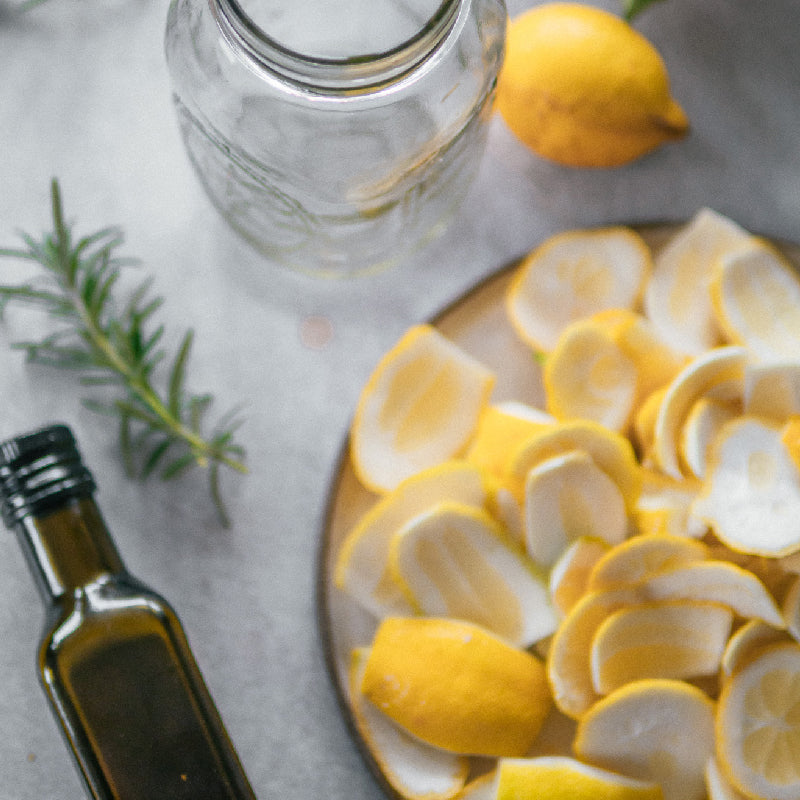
(456, 686)
(564, 778)
(579, 86)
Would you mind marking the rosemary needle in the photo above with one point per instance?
(111, 345)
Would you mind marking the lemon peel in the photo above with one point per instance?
(790, 607)
(774, 573)
(772, 390)
(589, 376)
(456, 686)
(674, 639)
(693, 425)
(606, 367)
(415, 770)
(572, 275)
(705, 581)
(640, 557)
(456, 561)
(480, 788)
(748, 640)
(644, 421)
(715, 582)
(658, 730)
(717, 785)
(569, 656)
(569, 576)
(581, 87)
(757, 725)
(419, 407)
(609, 450)
(751, 497)
(718, 373)
(567, 497)
(755, 293)
(362, 564)
(678, 299)
(565, 778)
(702, 425)
(664, 506)
(790, 438)
(657, 363)
(501, 427)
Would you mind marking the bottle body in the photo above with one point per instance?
(113, 660)
(131, 701)
(334, 166)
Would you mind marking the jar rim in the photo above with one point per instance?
(332, 74)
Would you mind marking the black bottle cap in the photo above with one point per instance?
(39, 472)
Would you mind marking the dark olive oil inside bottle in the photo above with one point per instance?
(113, 659)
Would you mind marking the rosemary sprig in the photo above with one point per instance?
(113, 347)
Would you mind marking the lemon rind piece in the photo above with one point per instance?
(679, 639)
(566, 778)
(457, 686)
(751, 495)
(656, 729)
(417, 771)
(684, 265)
(522, 613)
(390, 436)
(539, 322)
(732, 729)
(362, 564)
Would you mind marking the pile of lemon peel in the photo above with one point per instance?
(622, 564)
(581, 87)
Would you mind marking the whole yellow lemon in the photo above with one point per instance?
(581, 87)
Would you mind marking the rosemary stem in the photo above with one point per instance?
(113, 342)
(201, 449)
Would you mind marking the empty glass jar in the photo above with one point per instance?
(335, 135)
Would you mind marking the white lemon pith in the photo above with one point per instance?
(678, 298)
(654, 730)
(751, 497)
(756, 294)
(641, 557)
(456, 561)
(362, 566)
(589, 376)
(573, 275)
(598, 597)
(562, 495)
(678, 639)
(420, 407)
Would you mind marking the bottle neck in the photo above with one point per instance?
(333, 75)
(68, 548)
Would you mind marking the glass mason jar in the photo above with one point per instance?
(335, 135)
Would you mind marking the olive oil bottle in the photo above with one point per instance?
(114, 661)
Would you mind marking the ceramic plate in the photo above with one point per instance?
(477, 322)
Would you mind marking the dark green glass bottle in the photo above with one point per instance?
(113, 659)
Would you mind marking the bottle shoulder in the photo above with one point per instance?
(113, 608)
